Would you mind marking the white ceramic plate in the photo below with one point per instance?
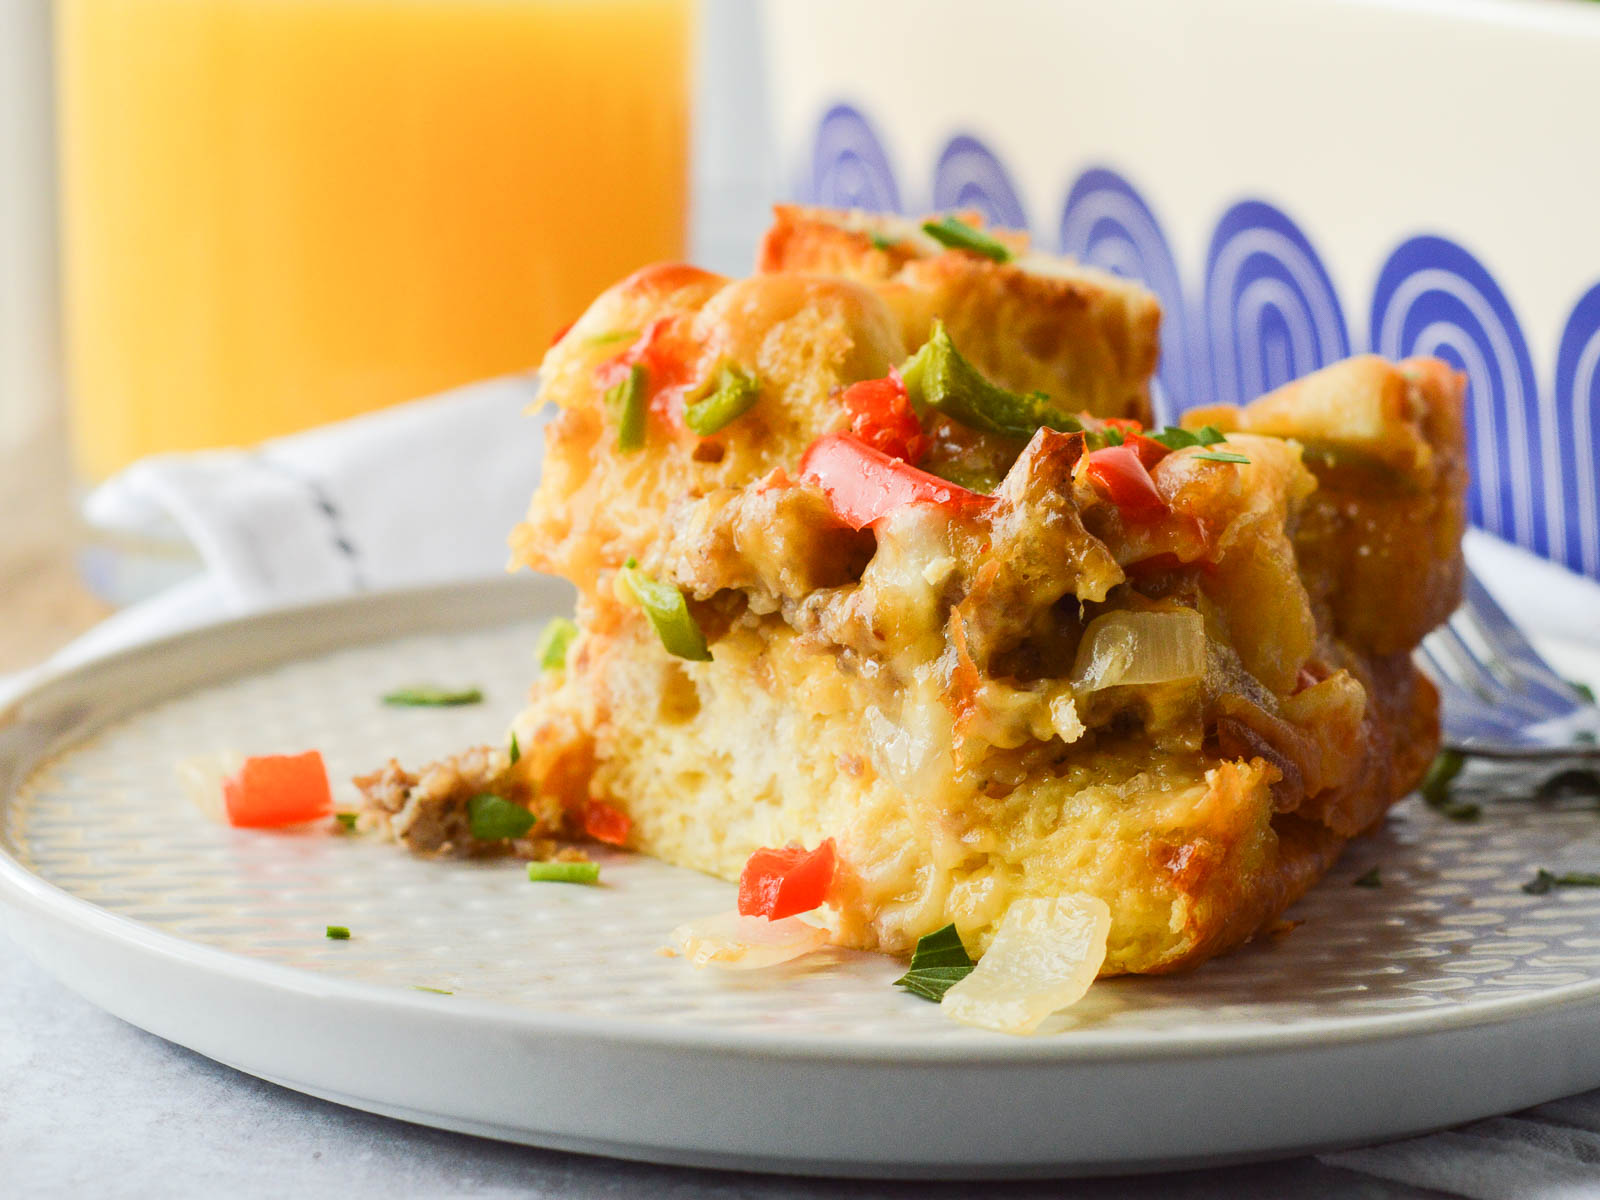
(1446, 994)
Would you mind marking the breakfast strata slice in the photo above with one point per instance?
(841, 586)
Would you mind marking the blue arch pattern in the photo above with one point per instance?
(970, 176)
(849, 167)
(1578, 387)
(1271, 312)
(1107, 224)
(1433, 297)
(1267, 311)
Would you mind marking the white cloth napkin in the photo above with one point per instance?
(414, 494)
(427, 491)
(423, 492)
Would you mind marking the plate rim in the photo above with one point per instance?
(39, 724)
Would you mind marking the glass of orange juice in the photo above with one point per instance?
(277, 213)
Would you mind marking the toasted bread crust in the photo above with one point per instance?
(1035, 323)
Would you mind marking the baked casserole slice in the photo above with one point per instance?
(853, 567)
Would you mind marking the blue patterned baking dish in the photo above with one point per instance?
(1296, 181)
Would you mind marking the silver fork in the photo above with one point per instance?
(1499, 698)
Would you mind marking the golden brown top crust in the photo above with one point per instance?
(802, 338)
(1035, 323)
(1380, 542)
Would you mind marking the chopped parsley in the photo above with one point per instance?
(939, 962)
(426, 695)
(492, 818)
(1436, 788)
(629, 400)
(1583, 689)
(1224, 456)
(1435, 785)
(347, 820)
(879, 242)
(515, 751)
(736, 392)
(422, 987)
(1459, 810)
(554, 641)
(564, 872)
(1174, 438)
(338, 933)
(610, 338)
(1367, 879)
(938, 377)
(958, 235)
(668, 612)
(1545, 880)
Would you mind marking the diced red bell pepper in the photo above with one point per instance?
(1149, 450)
(863, 484)
(1121, 476)
(882, 417)
(670, 359)
(606, 824)
(780, 883)
(278, 789)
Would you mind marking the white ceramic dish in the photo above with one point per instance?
(1297, 182)
(1447, 994)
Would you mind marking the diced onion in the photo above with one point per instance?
(1043, 958)
(201, 776)
(1120, 648)
(746, 943)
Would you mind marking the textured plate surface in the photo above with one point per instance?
(1449, 946)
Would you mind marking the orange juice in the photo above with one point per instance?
(281, 212)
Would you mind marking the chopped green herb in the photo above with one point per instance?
(735, 393)
(554, 641)
(668, 612)
(1227, 456)
(1587, 737)
(1545, 880)
(515, 752)
(1583, 689)
(1435, 785)
(1111, 435)
(492, 818)
(614, 336)
(1174, 438)
(1576, 781)
(629, 400)
(347, 820)
(338, 933)
(939, 961)
(564, 872)
(879, 242)
(937, 377)
(1459, 810)
(1436, 788)
(958, 235)
(422, 987)
(428, 696)
(1368, 879)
